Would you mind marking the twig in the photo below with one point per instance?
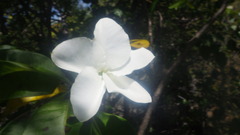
(150, 30)
(162, 83)
(160, 19)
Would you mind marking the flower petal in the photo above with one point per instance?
(72, 54)
(139, 59)
(115, 42)
(128, 87)
(86, 94)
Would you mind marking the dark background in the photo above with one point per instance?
(194, 79)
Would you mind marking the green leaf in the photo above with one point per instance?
(181, 4)
(5, 47)
(101, 124)
(24, 73)
(73, 126)
(7, 67)
(177, 4)
(49, 119)
(36, 61)
(115, 125)
(154, 5)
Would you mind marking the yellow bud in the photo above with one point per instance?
(138, 43)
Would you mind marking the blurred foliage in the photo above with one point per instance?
(202, 94)
(48, 119)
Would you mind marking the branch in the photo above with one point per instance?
(165, 78)
(150, 30)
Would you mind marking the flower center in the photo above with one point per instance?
(102, 68)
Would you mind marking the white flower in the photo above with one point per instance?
(101, 64)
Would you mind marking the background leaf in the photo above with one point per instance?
(115, 125)
(101, 124)
(3, 47)
(49, 119)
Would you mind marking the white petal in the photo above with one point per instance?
(128, 87)
(115, 42)
(86, 94)
(72, 54)
(139, 59)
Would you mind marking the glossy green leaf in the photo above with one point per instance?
(7, 67)
(24, 73)
(34, 60)
(49, 119)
